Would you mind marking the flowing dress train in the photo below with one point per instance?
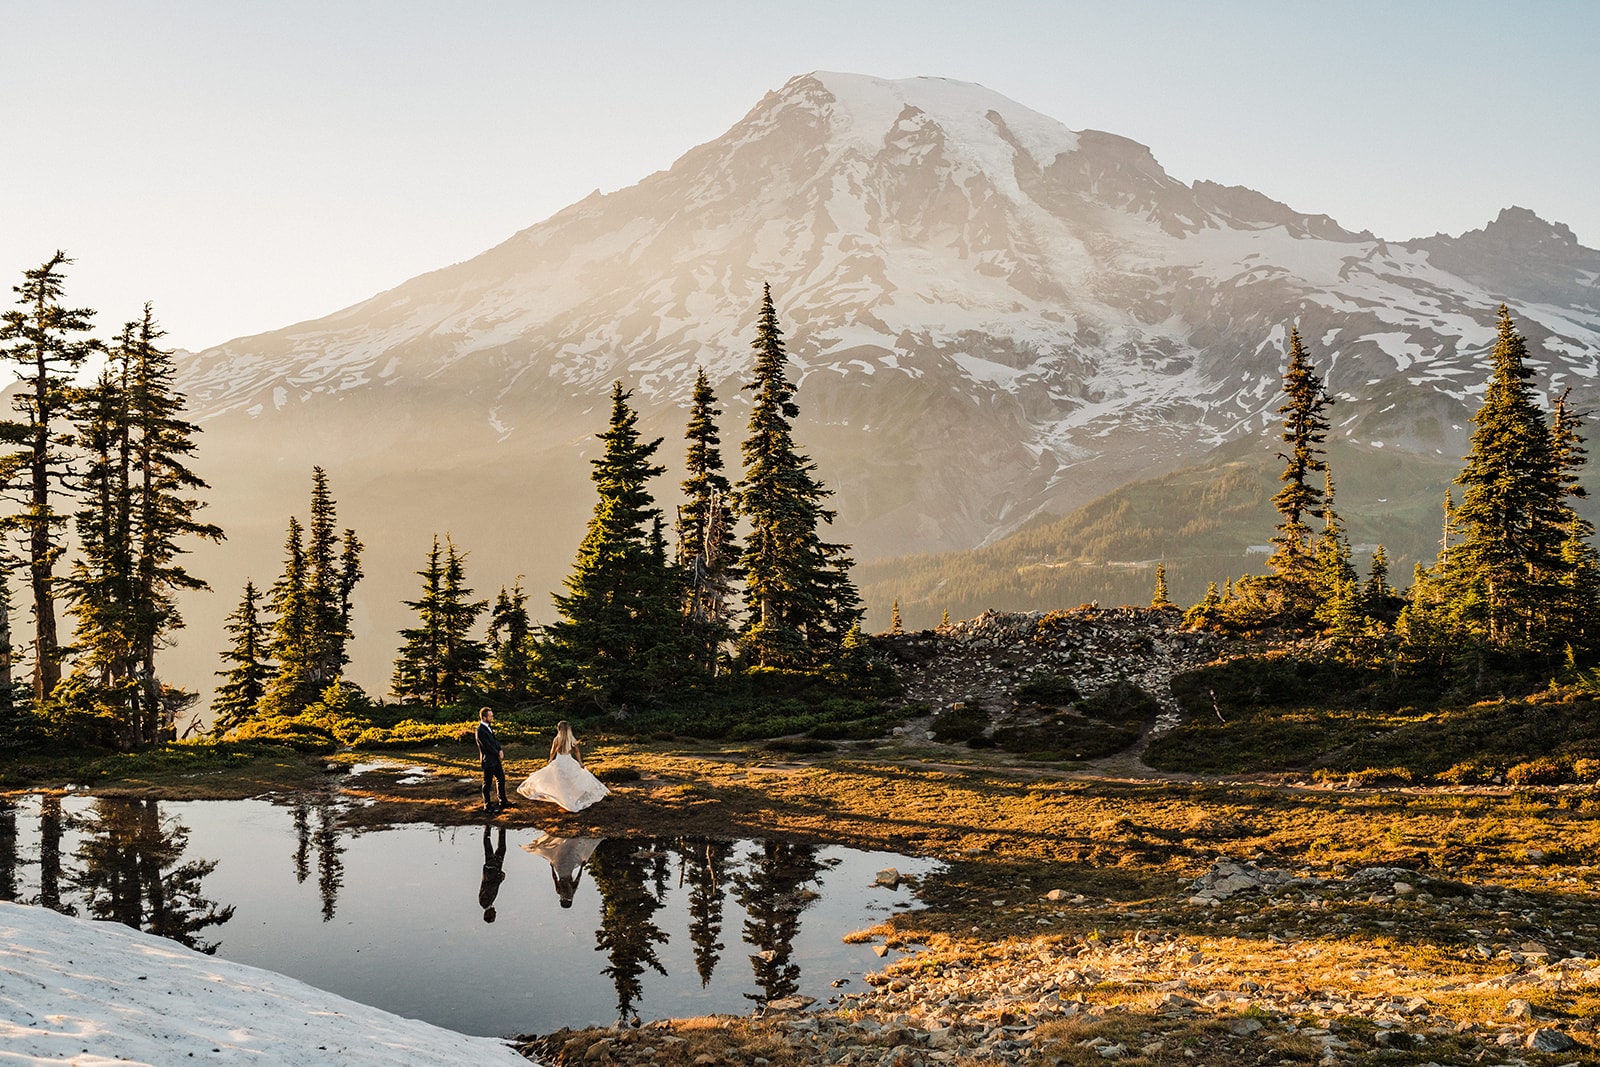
(566, 782)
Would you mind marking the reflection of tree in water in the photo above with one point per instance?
(330, 868)
(50, 827)
(771, 891)
(704, 866)
(132, 874)
(621, 870)
(9, 859)
(51, 824)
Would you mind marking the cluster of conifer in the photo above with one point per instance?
(637, 620)
(282, 665)
(108, 463)
(1517, 573)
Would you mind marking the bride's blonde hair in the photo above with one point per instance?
(564, 741)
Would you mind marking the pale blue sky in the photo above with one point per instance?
(249, 165)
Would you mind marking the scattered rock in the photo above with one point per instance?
(1547, 1040)
(1519, 1009)
(794, 1003)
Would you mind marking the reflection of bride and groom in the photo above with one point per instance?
(563, 781)
(567, 857)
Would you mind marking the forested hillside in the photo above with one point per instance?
(1200, 521)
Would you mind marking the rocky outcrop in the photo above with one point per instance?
(985, 660)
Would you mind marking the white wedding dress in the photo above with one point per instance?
(566, 782)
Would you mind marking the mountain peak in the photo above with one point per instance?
(866, 112)
(1519, 225)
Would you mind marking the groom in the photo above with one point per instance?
(489, 757)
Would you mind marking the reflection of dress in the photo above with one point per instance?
(566, 782)
(567, 856)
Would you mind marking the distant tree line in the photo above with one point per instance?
(1516, 578)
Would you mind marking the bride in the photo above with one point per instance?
(564, 780)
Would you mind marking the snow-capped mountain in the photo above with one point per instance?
(989, 314)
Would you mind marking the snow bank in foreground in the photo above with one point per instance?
(91, 993)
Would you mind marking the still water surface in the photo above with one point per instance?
(463, 926)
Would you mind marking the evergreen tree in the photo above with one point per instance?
(799, 599)
(245, 680)
(618, 635)
(1377, 590)
(10, 719)
(99, 585)
(1580, 597)
(438, 660)
(510, 653)
(291, 645)
(332, 570)
(1305, 427)
(895, 625)
(136, 505)
(1158, 599)
(311, 604)
(46, 343)
(1333, 572)
(1207, 611)
(707, 555)
(1511, 513)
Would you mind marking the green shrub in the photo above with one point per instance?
(959, 722)
(1470, 772)
(411, 733)
(290, 732)
(1121, 703)
(1542, 770)
(1051, 691)
(1065, 738)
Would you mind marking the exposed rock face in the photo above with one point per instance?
(984, 660)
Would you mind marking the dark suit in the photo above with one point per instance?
(494, 860)
(494, 771)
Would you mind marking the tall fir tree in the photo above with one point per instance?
(509, 666)
(1158, 596)
(311, 605)
(138, 505)
(45, 342)
(1305, 428)
(245, 680)
(1511, 514)
(291, 644)
(800, 601)
(99, 585)
(618, 638)
(1333, 572)
(333, 567)
(10, 702)
(439, 660)
(707, 554)
(1580, 598)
